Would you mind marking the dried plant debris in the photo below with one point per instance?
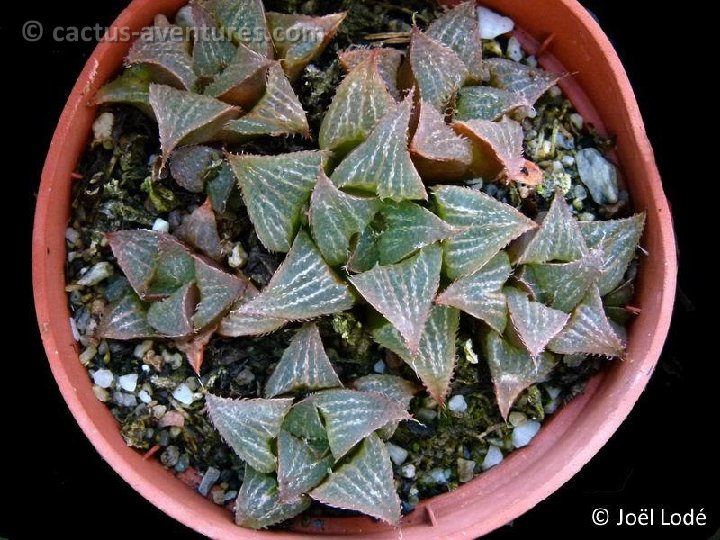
(345, 271)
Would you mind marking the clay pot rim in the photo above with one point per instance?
(163, 490)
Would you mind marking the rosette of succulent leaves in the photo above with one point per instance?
(376, 217)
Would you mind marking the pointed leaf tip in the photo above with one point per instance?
(258, 503)
(388, 64)
(165, 52)
(530, 82)
(499, 148)
(245, 21)
(535, 323)
(459, 30)
(299, 468)
(199, 230)
(487, 103)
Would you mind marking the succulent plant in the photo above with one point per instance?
(378, 219)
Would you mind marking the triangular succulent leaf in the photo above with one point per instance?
(258, 503)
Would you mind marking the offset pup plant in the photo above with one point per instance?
(380, 219)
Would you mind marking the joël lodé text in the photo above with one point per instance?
(661, 516)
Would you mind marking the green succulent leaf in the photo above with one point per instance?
(513, 369)
(212, 52)
(275, 190)
(366, 254)
(588, 331)
(530, 82)
(221, 186)
(218, 291)
(244, 21)
(302, 288)
(335, 217)
(459, 30)
(313, 34)
(480, 294)
(350, 416)
(199, 230)
(434, 361)
(534, 323)
(239, 324)
(136, 252)
(438, 72)
(189, 165)
(279, 112)
(390, 386)
(175, 267)
(364, 484)
(244, 80)
(132, 87)
(389, 61)
(299, 468)
(487, 103)
(404, 292)
(498, 148)
(258, 503)
(618, 241)
(558, 238)
(409, 227)
(166, 55)
(438, 152)
(303, 421)
(125, 319)
(381, 165)
(185, 118)
(564, 285)
(304, 366)
(489, 225)
(248, 426)
(360, 101)
(172, 317)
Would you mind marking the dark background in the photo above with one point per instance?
(662, 456)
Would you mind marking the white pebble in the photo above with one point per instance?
(103, 378)
(408, 471)
(379, 367)
(493, 457)
(577, 121)
(142, 348)
(457, 403)
(125, 400)
(398, 455)
(514, 50)
(184, 395)
(88, 354)
(523, 434)
(438, 476)
(128, 382)
(96, 274)
(102, 127)
(493, 24)
(568, 161)
(144, 396)
(72, 236)
(161, 225)
(74, 329)
(531, 61)
(555, 91)
(238, 256)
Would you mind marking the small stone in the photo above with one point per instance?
(514, 50)
(104, 378)
(551, 407)
(553, 391)
(245, 377)
(72, 236)
(183, 463)
(465, 469)
(217, 494)
(211, 476)
(579, 192)
(184, 17)
(171, 419)
(577, 121)
(599, 176)
(230, 495)
(124, 399)
(96, 274)
(161, 225)
(144, 396)
(470, 354)
(88, 354)
(568, 161)
(457, 403)
(438, 476)
(426, 415)
(493, 24)
(142, 348)
(100, 393)
(532, 61)
(102, 128)
(555, 91)
(586, 216)
(398, 455)
(238, 256)
(184, 395)
(128, 382)
(379, 367)
(407, 470)
(523, 434)
(517, 418)
(493, 457)
(170, 456)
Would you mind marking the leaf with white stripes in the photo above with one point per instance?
(403, 293)
(563, 285)
(175, 267)
(258, 503)
(382, 165)
(303, 421)
(185, 118)
(513, 369)
(211, 52)
(487, 103)
(248, 426)
(304, 366)
(535, 323)
(299, 468)
(364, 484)
(618, 241)
(238, 324)
(437, 70)
(199, 230)
(438, 152)
(588, 331)
(530, 82)
(312, 36)
(279, 112)
(489, 224)
(409, 227)
(136, 252)
(131, 87)
(171, 317)
(388, 64)
(458, 29)
(245, 21)
(498, 147)
(218, 291)
(302, 288)
(390, 386)
(275, 190)
(335, 217)
(243, 82)
(350, 416)
(168, 57)
(480, 294)
(558, 238)
(125, 319)
(434, 362)
(360, 101)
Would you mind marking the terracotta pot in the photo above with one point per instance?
(568, 441)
